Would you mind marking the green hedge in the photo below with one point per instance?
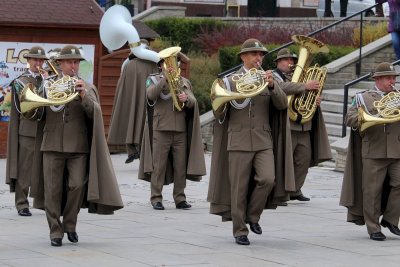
(183, 31)
(228, 57)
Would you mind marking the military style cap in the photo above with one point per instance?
(285, 53)
(251, 45)
(385, 69)
(70, 52)
(36, 52)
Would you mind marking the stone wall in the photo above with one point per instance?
(344, 70)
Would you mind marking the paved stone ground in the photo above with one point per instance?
(303, 234)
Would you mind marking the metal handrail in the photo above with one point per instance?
(346, 94)
(358, 66)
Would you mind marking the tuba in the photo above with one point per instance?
(388, 108)
(116, 29)
(301, 107)
(248, 85)
(172, 73)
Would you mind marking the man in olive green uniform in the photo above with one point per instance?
(249, 145)
(24, 156)
(129, 108)
(371, 187)
(306, 152)
(67, 150)
(171, 135)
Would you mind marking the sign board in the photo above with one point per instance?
(13, 64)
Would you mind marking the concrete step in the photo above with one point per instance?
(335, 130)
(333, 118)
(334, 107)
(332, 139)
(336, 95)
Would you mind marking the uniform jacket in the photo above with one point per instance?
(195, 152)
(21, 126)
(102, 194)
(273, 132)
(129, 108)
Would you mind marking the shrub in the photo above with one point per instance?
(228, 56)
(182, 31)
(371, 32)
(203, 72)
(211, 39)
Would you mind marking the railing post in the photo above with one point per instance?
(345, 96)
(358, 65)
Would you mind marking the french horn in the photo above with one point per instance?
(248, 85)
(30, 100)
(388, 111)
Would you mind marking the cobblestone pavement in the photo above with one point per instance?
(308, 234)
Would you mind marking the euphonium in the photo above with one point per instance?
(172, 73)
(388, 108)
(248, 85)
(301, 108)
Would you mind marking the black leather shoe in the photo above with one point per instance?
(392, 228)
(377, 236)
(131, 158)
(282, 204)
(300, 198)
(72, 237)
(24, 212)
(56, 242)
(183, 205)
(157, 206)
(255, 228)
(242, 240)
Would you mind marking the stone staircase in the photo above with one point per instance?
(332, 109)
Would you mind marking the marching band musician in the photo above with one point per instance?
(310, 144)
(171, 133)
(250, 169)
(76, 161)
(371, 183)
(24, 158)
(129, 108)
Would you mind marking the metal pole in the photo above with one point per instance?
(358, 65)
(345, 96)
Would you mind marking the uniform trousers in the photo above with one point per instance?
(26, 151)
(247, 206)
(301, 149)
(165, 142)
(132, 149)
(69, 170)
(374, 174)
